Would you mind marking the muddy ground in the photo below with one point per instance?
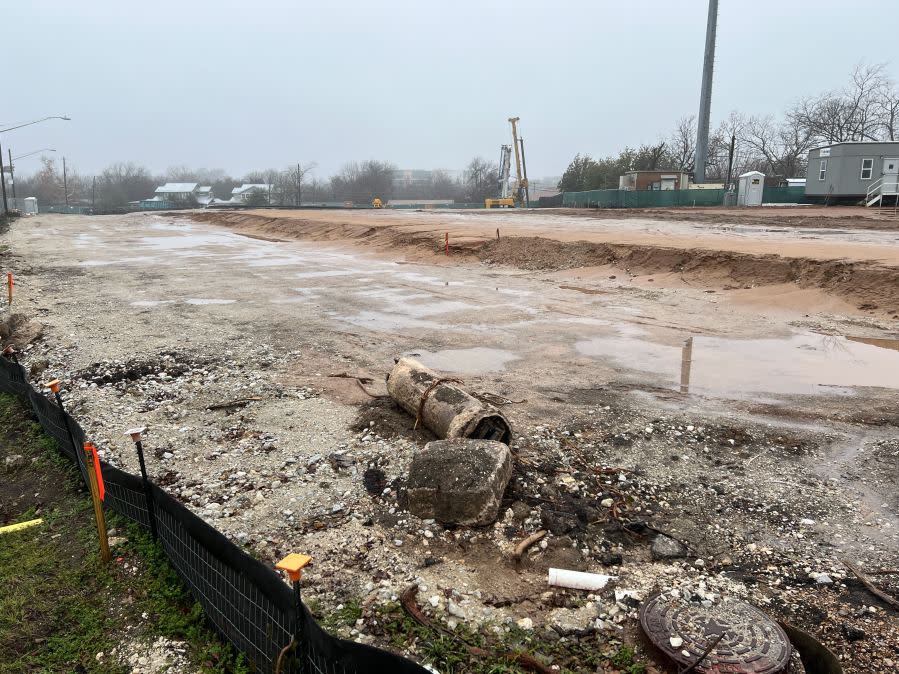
(779, 462)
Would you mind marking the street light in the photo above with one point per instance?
(12, 128)
(37, 121)
(22, 156)
(12, 175)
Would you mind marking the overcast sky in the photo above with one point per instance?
(422, 84)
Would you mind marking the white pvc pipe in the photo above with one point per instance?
(578, 580)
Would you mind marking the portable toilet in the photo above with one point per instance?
(30, 205)
(750, 187)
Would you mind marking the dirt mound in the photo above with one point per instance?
(870, 285)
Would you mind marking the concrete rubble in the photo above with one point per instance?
(459, 482)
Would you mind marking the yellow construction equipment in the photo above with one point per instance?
(521, 197)
(377, 203)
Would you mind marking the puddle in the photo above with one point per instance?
(150, 303)
(196, 300)
(324, 274)
(467, 361)
(805, 364)
(124, 260)
(380, 321)
(187, 240)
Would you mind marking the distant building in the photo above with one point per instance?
(177, 191)
(654, 180)
(204, 195)
(854, 171)
(241, 195)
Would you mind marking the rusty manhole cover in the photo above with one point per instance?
(683, 630)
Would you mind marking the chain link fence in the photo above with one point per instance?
(247, 602)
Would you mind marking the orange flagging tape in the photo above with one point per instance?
(101, 488)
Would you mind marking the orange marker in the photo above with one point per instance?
(92, 452)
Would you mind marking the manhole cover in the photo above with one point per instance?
(752, 643)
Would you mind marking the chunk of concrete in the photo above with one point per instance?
(459, 481)
(665, 547)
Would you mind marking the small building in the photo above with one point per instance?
(178, 192)
(750, 188)
(792, 182)
(204, 195)
(240, 195)
(853, 171)
(156, 203)
(654, 180)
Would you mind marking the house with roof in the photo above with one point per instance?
(240, 195)
(177, 192)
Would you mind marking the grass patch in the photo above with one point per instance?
(60, 605)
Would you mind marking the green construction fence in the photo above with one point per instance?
(671, 198)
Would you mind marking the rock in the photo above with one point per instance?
(823, 579)
(676, 642)
(853, 633)
(665, 547)
(459, 481)
(525, 623)
(15, 461)
(607, 502)
(558, 523)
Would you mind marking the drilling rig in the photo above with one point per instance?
(521, 196)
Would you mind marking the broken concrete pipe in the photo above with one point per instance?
(459, 481)
(443, 407)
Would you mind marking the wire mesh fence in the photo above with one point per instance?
(243, 598)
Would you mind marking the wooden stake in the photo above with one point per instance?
(686, 365)
(89, 463)
(446, 245)
(9, 287)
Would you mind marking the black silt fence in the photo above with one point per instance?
(243, 598)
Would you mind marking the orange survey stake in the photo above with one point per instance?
(95, 459)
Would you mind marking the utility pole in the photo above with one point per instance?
(93, 194)
(299, 184)
(65, 183)
(730, 160)
(3, 184)
(705, 97)
(12, 176)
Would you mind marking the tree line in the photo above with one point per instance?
(866, 108)
(122, 183)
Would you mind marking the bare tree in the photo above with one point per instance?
(851, 114)
(682, 144)
(481, 180)
(782, 147)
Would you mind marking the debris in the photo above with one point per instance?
(815, 656)
(14, 461)
(407, 601)
(522, 547)
(459, 481)
(665, 547)
(578, 580)
(240, 402)
(445, 409)
(871, 587)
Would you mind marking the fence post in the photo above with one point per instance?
(148, 490)
(54, 387)
(293, 564)
(94, 480)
